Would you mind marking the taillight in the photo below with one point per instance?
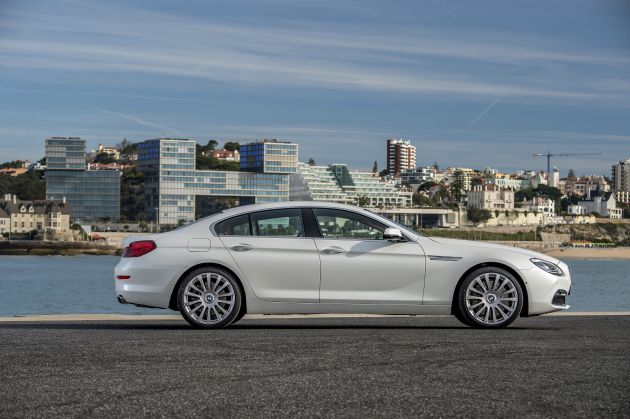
(138, 248)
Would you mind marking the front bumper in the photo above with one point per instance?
(546, 292)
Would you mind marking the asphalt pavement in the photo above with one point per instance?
(352, 367)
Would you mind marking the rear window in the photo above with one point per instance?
(236, 226)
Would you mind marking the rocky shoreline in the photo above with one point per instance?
(42, 248)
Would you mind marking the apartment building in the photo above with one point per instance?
(490, 197)
(336, 183)
(401, 156)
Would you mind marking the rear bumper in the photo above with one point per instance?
(148, 285)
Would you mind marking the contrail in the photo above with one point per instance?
(485, 111)
(138, 120)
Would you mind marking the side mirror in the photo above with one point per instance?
(392, 234)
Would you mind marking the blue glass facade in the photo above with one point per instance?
(269, 156)
(91, 194)
(171, 181)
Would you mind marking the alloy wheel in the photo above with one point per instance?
(209, 298)
(491, 298)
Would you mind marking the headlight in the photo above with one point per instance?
(548, 267)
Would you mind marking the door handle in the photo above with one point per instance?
(332, 250)
(242, 247)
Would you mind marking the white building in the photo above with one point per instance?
(543, 205)
(336, 183)
(576, 209)
(538, 179)
(623, 196)
(554, 178)
(603, 204)
(490, 197)
(515, 184)
(108, 150)
(418, 176)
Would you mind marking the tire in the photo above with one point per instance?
(240, 315)
(489, 298)
(459, 316)
(209, 298)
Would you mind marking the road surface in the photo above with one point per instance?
(357, 367)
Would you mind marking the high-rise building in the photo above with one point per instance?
(172, 182)
(91, 194)
(401, 156)
(621, 176)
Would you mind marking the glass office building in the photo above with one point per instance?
(269, 156)
(172, 181)
(65, 153)
(91, 194)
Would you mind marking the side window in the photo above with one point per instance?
(236, 226)
(284, 222)
(336, 224)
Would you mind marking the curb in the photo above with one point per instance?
(171, 317)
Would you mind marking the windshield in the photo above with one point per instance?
(401, 226)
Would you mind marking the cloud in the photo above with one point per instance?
(99, 38)
(486, 110)
(140, 121)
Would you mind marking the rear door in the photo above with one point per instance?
(271, 249)
(359, 267)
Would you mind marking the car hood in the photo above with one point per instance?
(469, 244)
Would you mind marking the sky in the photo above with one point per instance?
(471, 84)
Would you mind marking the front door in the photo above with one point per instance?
(359, 267)
(272, 252)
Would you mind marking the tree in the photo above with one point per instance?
(383, 173)
(478, 215)
(232, 146)
(375, 167)
(420, 200)
(571, 173)
(436, 166)
(104, 158)
(126, 148)
(212, 145)
(132, 195)
(27, 186)
(457, 187)
(425, 186)
(311, 162)
(12, 164)
(363, 201)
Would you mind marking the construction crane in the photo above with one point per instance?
(549, 155)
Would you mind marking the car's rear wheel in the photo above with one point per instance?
(209, 298)
(489, 297)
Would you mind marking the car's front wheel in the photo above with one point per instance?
(489, 297)
(209, 298)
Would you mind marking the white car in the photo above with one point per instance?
(319, 257)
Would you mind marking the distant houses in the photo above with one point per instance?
(18, 217)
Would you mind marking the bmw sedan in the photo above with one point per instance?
(319, 257)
